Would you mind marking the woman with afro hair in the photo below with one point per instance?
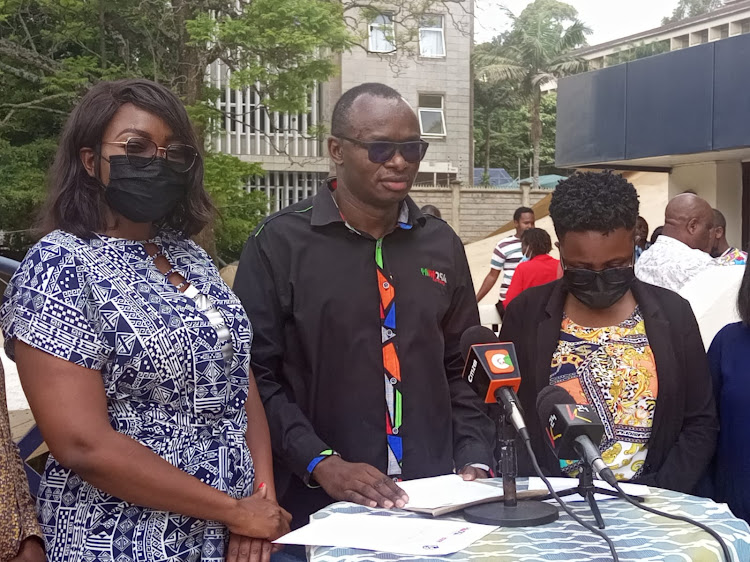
(631, 350)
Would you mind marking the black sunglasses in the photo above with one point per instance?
(584, 277)
(380, 152)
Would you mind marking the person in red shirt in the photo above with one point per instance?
(539, 268)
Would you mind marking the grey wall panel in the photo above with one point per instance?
(591, 117)
(670, 103)
(732, 93)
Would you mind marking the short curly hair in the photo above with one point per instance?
(600, 201)
(537, 242)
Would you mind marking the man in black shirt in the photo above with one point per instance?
(357, 396)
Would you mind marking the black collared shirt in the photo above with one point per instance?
(310, 286)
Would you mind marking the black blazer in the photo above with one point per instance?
(685, 428)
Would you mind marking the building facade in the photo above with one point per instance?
(431, 69)
(728, 21)
(683, 113)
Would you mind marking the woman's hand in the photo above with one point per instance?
(245, 549)
(31, 551)
(258, 517)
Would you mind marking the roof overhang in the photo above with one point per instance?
(682, 107)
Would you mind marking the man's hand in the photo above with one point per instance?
(31, 551)
(472, 473)
(359, 483)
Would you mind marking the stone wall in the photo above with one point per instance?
(474, 212)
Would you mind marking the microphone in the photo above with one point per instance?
(491, 371)
(573, 430)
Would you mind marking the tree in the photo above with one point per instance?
(52, 51)
(690, 8)
(510, 141)
(239, 211)
(491, 98)
(537, 52)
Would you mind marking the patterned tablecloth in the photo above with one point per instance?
(638, 535)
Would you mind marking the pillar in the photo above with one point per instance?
(719, 183)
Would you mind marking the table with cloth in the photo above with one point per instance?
(638, 535)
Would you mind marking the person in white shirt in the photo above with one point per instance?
(681, 252)
(712, 295)
(506, 256)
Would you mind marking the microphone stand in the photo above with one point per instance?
(586, 489)
(510, 512)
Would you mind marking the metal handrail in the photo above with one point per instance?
(8, 266)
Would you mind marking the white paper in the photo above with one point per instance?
(560, 484)
(384, 533)
(441, 491)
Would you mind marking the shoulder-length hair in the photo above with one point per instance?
(75, 200)
(743, 299)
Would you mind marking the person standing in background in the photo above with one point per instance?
(641, 237)
(431, 210)
(20, 535)
(655, 234)
(720, 249)
(681, 252)
(538, 267)
(506, 257)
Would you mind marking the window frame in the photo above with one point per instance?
(441, 29)
(440, 110)
(382, 29)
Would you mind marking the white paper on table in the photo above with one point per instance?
(384, 533)
(451, 489)
(560, 484)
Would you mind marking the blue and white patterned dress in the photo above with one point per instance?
(104, 305)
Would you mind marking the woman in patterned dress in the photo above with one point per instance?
(631, 350)
(134, 354)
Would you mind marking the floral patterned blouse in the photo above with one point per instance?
(613, 369)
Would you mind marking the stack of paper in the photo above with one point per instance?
(445, 494)
(386, 533)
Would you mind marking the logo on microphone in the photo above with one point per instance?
(579, 412)
(499, 361)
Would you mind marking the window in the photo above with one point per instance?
(431, 115)
(612, 60)
(382, 35)
(745, 26)
(720, 32)
(699, 37)
(680, 42)
(431, 36)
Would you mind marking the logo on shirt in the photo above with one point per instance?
(436, 276)
(499, 361)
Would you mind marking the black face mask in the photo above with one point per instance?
(144, 194)
(599, 289)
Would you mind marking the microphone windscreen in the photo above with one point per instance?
(476, 335)
(548, 398)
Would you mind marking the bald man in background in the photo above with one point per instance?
(682, 250)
